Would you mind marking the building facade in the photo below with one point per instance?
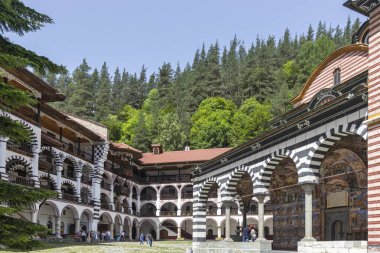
(102, 185)
(318, 164)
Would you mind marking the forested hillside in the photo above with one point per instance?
(224, 97)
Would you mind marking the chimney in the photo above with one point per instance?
(157, 149)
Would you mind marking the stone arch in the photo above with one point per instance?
(270, 165)
(18, 160)
(106, 214)
(169, 220)
(69, 182)
(73, 160)
(86, 217)
(211, 228)
(72, 208)
(326, 141)
(33, 135)
(148, 209)
(233, 179)
(53, 152)
(148, 220)
(52, 205)
(146, 193)
(86, 194)
(205, 188)
(50, 178)
(187, 211)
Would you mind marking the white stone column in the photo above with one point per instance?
(308, 189)
(34, 216)
(58, 226)
(112, 204)
(228, 204)
(219, 203)
(178, 232)
(219, 232)
(94, 225)
(158, 205)
(77, 225)
(130, 232)
(59, 169)
(158, 232)
(138, 204)
(260, 236)
(179, 204)
(130, 201)
(3, 158)
(78, 176)
(111, 230)
(35, 160)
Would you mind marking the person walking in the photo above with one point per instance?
(246, 233)
(253, 234)
(149, 239)
(84, 235)
(122, 236)
(141, 239)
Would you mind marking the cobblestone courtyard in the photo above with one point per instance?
(115, 247)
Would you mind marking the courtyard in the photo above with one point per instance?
(112, 247)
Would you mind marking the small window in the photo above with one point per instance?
(336, 76)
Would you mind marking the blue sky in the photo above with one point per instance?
(129, 34)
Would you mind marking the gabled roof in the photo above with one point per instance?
(126, 148)
(182, 156)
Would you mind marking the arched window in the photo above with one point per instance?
(336, 76)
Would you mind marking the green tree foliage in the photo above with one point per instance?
(141, 139)
(212, 123)
(103, 98)
(170, 133)
(18, 18)
(271, 70)
(250, 120)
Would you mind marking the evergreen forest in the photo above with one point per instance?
(224, 97)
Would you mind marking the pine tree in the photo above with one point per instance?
(17, 18)
(103, 98)
(81, 100)
(141, 139)
(116, 93)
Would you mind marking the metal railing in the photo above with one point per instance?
(68, 174)
(148, 197)
(168, 213)
(147, 214)
(70, 197)
(22, 148)
(20, 180)
(187, 195)
(166, 196)
(163, 179)
(46, 167)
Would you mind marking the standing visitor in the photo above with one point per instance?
(141, 239)
(253, 233)
(84, 235)
(122, 236)
(149, 239)
(246, 233)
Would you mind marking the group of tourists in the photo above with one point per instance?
(101, 236)
(148, 237)
(249, 233)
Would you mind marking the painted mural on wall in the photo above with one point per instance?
(339, 198)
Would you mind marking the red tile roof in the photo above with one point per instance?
(182, 156)
(126, 147)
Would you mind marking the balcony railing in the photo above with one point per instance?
(168, 213)
(147, 214)
(212, 212)
(165, 196)
(187, 195)
(70, 197)
(187, 213)
(68, 174)
(148, 197)
(23, 148)
(20, 180)
(46, 167)
(165, 179)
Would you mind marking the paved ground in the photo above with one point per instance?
(115, 247)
